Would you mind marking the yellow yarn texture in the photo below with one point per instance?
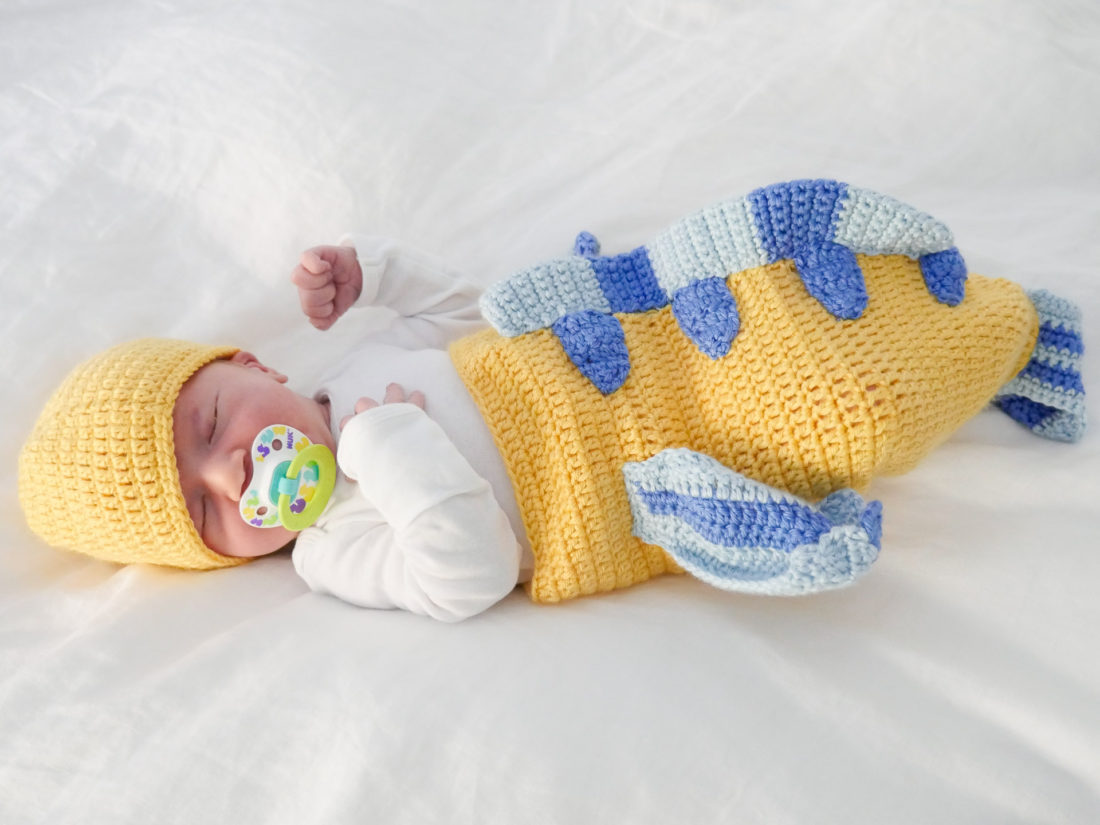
(803, 401)
(98, 473)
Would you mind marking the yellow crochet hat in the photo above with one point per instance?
(98, 473)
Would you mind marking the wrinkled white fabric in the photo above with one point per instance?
(164, 164)
(414, 527)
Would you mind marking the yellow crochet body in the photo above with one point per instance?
(803, 402)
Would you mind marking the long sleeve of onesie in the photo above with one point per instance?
(428, 522)
(432, 302)
(433, 539)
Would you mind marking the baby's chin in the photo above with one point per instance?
(273, 540)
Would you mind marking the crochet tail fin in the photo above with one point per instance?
(738, 534)
(1048, 396)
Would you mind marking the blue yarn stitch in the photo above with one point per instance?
(782, 525)
(596, 344)
(628, 282)
(707, 313)
(945, 275)
(1027, 412)
(796, 215)
(1059, 338)
(738, 534)
(586, 245)
(797, 220)
(1065, 378)
(831, 274)
(871, 522)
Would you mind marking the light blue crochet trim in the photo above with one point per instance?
(537, 297)
(1048, 395)
(715, 242)
(876, 224)
(738, 534)
(818, 224)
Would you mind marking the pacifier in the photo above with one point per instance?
(292, 479)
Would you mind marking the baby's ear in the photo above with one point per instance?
(247, 359)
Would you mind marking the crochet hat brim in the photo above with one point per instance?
(98, 474)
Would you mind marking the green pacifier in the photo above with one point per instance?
(292, 479)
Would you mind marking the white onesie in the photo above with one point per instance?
(426, 519)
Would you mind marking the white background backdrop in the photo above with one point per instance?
(163, 163)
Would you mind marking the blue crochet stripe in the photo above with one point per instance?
(821, 225)
(1048, 395)
(1029, 413)
(1063, 378)
(628, 283)
(739, 534)
(782, 525)
(793, 216)
(1059, 338)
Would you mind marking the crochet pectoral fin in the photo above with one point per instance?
(738, 534)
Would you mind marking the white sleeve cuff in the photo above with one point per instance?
(374, 254)
(403, 462)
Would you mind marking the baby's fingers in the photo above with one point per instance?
(364, 404)
(304, 279)
(318, 306)
(314, 263)
(312, 298)
(395, 394)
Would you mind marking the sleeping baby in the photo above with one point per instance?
(716, 401)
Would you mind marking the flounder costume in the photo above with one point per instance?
(713, 400)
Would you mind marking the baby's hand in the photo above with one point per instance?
(395, 394)
(329, 280)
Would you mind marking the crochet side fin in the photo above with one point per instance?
(738, 534)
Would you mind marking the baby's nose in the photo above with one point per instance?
(229, 473)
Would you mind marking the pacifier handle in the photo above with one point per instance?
(320, 455)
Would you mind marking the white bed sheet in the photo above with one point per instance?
(162, 165)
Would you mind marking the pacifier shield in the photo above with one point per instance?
(292, 479)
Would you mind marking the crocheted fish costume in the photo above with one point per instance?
(713, 400)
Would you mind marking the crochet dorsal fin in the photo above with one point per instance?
(821, 225)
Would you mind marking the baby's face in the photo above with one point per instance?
(217, 415)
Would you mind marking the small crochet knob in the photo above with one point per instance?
(586, 245)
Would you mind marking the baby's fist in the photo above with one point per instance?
(329, 280)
